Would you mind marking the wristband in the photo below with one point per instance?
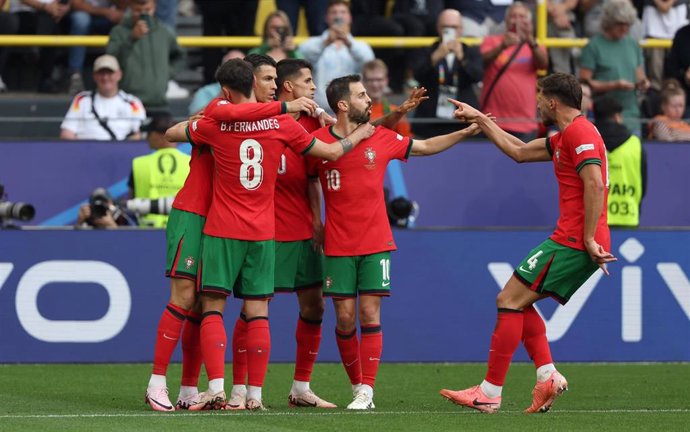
(318, 111)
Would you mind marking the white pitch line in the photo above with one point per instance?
(320, 414)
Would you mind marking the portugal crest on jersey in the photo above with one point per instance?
(188, 262)
(328, 282)
(370, 155)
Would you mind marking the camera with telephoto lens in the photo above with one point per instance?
(144, 206)
(402, 212)
(10, 210)
(99, 203)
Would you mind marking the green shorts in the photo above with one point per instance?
(364, 275)
(298, 266)
(245, 266)
(556, 270)
(183, 235)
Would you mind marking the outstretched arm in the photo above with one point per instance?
(389, 121)
(332, 152)
(437, 144)
(177, 133)
(512, 146)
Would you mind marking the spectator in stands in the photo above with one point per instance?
(335, 53)
(449, 69)
(375, 80)
(627, 165)
(314, 11)
(149, 55)
(9, 24)
(561, 24)
(41, 17)
(592, 12)
(661, 20)
(90, 17)
(678, 63)
(670, 126)
(479, 17)
(276, 40)
(207, 93)
(511, 61)
(224, 18)
(107, 113)
(612, 61)
(160, 174)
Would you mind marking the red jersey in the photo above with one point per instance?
(293, 210)
(195, 196)
(356, 218)
(577, 145)
(247, 156)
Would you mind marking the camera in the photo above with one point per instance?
(402, 212)
(99, 203)
(18, 211)
(282, 33)
(143, 206)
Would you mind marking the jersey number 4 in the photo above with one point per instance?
(251, 171)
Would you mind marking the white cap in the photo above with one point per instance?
(106, 61)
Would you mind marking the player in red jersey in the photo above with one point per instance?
(238, 250)
(180, 319)
(358, 237)
(560, 265)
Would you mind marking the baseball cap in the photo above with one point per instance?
(106, 61)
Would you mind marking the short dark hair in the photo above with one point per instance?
(288, 69)
(258, 60)
(339, 89)
(332, 3)
(565, 87)
(605, 107)
(237, 75)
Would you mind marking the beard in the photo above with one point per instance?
(547, 119)
(357, 116)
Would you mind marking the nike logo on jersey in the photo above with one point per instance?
(523, 270)
(241, 350)
(385, 284)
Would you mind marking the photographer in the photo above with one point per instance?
(101, 212)
(277, 38)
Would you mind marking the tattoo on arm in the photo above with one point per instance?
(346, 144)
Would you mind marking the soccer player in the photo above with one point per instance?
(180, 319)
(358, 237)
(237, 244)
(561, 264)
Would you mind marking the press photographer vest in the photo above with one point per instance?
(625, 183)
(160, 174)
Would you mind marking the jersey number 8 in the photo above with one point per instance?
(251, 171)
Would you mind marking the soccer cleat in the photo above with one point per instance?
(473, 397)
(545, 393)
(255, 405)
(208, 402)
(183, 403)
(157, 398)
(308, 400)
(237, 401)
(361, 401)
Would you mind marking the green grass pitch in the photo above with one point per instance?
(602, 397)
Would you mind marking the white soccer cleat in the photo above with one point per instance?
(362, 401)
(157, 398)
(308, 400)
(183, 403)
(209, 401)
(255, 405)
(237, 401)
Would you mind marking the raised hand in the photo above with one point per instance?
(416, 97)
(464, 112)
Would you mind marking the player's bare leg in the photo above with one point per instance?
(258, 350)
(308, 336)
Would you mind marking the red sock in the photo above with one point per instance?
(348, 345)
(191, 350)
(213, 342)
(504, 342)
(258, 350)
(534, 337)
(239, 351)
(169, 328)
(370, 352)
(308, 336)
